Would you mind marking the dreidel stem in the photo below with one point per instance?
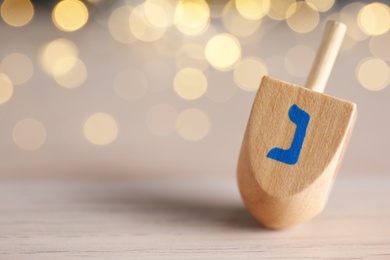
(326, 55)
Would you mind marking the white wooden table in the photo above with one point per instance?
(193, 218)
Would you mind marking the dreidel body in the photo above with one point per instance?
(293, 144)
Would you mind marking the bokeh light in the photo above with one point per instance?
(223, 51)
(302, 17)
(73, 77)
(221, 87)
(279, 8)
(168, 44)
(6, 88)
(158, 57)
(161, 119)
(236, 23)
(348, 43)
(253, 9)
(130, 84)
(70, 15)
(380, 46)
(18, 67)
(190, 83)
(119, 25)
(348, 15)
(249, 72)
(322, 5)
(191, 55)
(374, 19)
(100, 129)
(373, 74)
(193, 124)
(159, 13)
(29, 134)
(301, 58)
(279, 67)
(55, 51)
(17, 12)
(142, 28)
(192, 17)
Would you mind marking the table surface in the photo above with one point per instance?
(183, 218)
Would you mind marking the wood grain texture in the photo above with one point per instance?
(326, 56)
(289, 184)
(184, 219)
(278, 194)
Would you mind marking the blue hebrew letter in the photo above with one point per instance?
(290, 156)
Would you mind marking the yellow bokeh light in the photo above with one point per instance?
(249, 72)
(374, 19)
(192, 17)
(279, 8)
(100, 129)
(130, 84)
(379, 46)
(119, 26)
(223, 51)
(300, 60)
(18, 67)
(29, 134)
(348, 43)
(158, 13)
(221, 88)
(160, 119)
(70, 15)
(141, 28)
(53, 52)
(253, 9)
(322, 5)
(236, 23)
(190, 83)
(6, 88)
(373, 74)
(348, 16)
(168, 44)
(191, 55)
(70, 78)
(193, 124)
(17, 12)
(302, 17)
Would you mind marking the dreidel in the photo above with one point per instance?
(294, 142)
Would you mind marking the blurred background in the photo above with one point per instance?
(150, 88)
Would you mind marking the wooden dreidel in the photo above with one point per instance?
(294, 142)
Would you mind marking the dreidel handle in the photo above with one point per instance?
(326, 56)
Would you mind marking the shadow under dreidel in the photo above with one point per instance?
(199, 204)
(203, 214)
